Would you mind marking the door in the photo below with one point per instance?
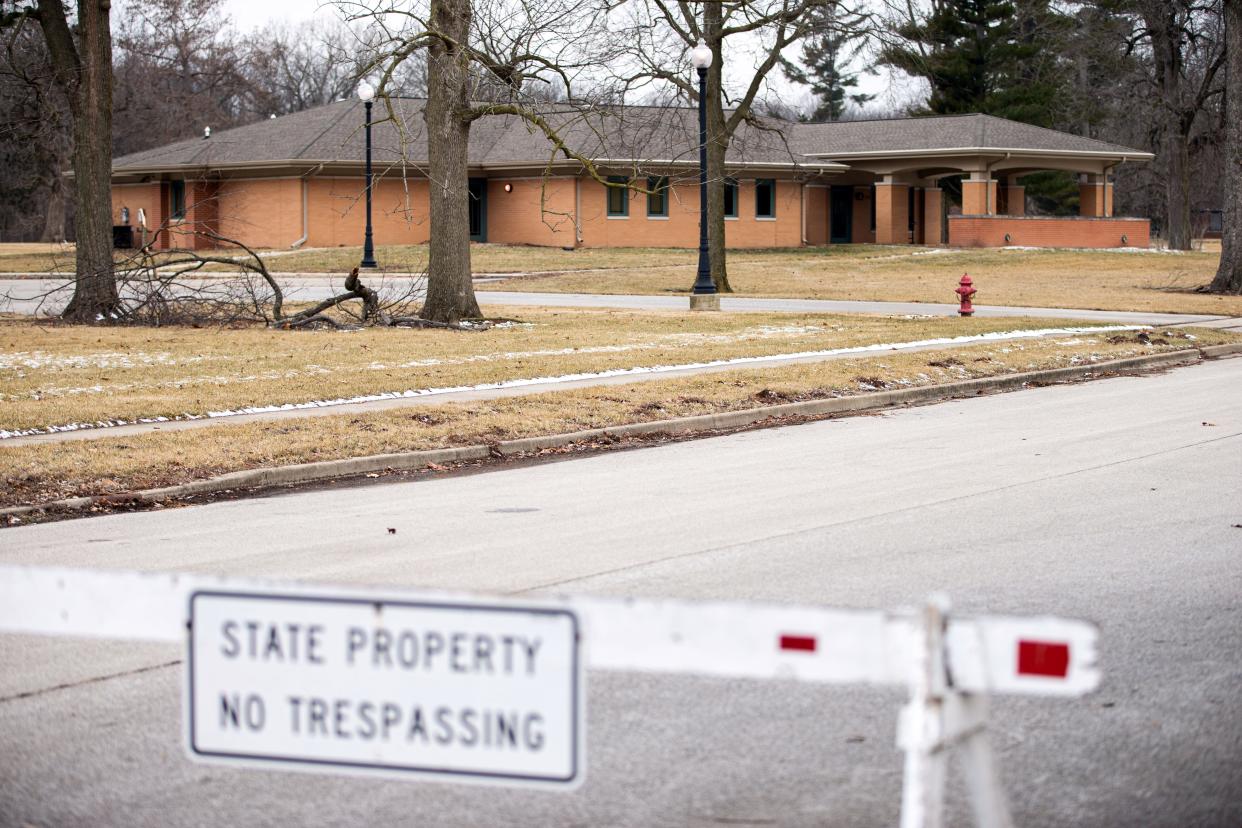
(478, 209)
(841, 215)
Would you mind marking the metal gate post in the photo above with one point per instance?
(937, 717)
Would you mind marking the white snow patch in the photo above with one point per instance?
(566, 378)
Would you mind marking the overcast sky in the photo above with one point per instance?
(250, 14)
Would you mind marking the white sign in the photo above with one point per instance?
(452, 691)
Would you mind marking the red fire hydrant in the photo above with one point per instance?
(965, 290)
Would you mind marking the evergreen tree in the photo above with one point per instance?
(992, 56)
(837, 39)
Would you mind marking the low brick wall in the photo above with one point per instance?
(1042, 231)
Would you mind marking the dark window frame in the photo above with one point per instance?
(176, 199)
(659, 189)
(618, 192)
(771, 184)
(731, 185)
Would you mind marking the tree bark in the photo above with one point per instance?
(717, 144)
(1177, 186)
(450, 292)
(84, 70)
(1229, 274)
(54, 210)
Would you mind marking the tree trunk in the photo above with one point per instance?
(717, 144)
(450, 292)
(84, 70)
(1229, 274)
(54, 209)
(1177, 186)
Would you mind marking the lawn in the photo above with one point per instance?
(408, 258)
(1104, 280)
(40, 473)
(56, 375)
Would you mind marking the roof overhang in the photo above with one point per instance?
(959, 152)
(303, 167)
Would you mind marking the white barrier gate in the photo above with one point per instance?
(287, 639)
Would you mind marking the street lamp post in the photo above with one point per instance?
(703, 296)
(367, 93)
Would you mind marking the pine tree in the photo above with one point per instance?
(991, 56)
(826, 54)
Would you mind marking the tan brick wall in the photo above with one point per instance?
(532, 212)
(861, 232)
(337, 208)
(989, 231)
(978, 198)
(262, 213)
(1091, 201)
(1015, 201)
(135, 197)
(892, 213)
(933, 217)
(268, 213)
(817, 209)
(681, 228)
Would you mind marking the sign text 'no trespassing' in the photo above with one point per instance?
(467, 691)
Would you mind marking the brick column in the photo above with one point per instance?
(978, 195)
(1108, 198)
(1015, 200)
(933, 221)
(202, 211)
(892, 212)
(1091, 195)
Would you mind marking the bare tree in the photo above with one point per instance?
(1185, 52)
(658, 30)
(289, 69)
(1229, 274)
(496, 58)
(35, 150)
(79, 48)
(179, 68)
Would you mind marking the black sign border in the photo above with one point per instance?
(575, 680)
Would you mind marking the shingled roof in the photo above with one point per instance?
(945, 133)
(332, 135)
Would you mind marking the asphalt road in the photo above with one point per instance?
(1115, 500)
(48, 296)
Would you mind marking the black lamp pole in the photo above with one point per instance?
(703, 280)
(368, 246)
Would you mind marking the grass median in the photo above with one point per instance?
(55, 375)
(41, 473)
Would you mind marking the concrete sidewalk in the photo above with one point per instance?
(25, 298)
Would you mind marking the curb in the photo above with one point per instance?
(404, 461)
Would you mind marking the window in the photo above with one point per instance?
(730, 198)
(618, 197)
(657, 200)
(765, 198)
(176, 199)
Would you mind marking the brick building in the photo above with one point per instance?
(297, 180)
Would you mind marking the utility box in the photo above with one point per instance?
(122, 237)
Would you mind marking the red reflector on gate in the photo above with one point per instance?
(1043, 658)
(803, 643)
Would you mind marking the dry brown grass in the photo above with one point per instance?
(395, 258)
(484, 258)
(44, 472)
(1035, 278)
(60, 374)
